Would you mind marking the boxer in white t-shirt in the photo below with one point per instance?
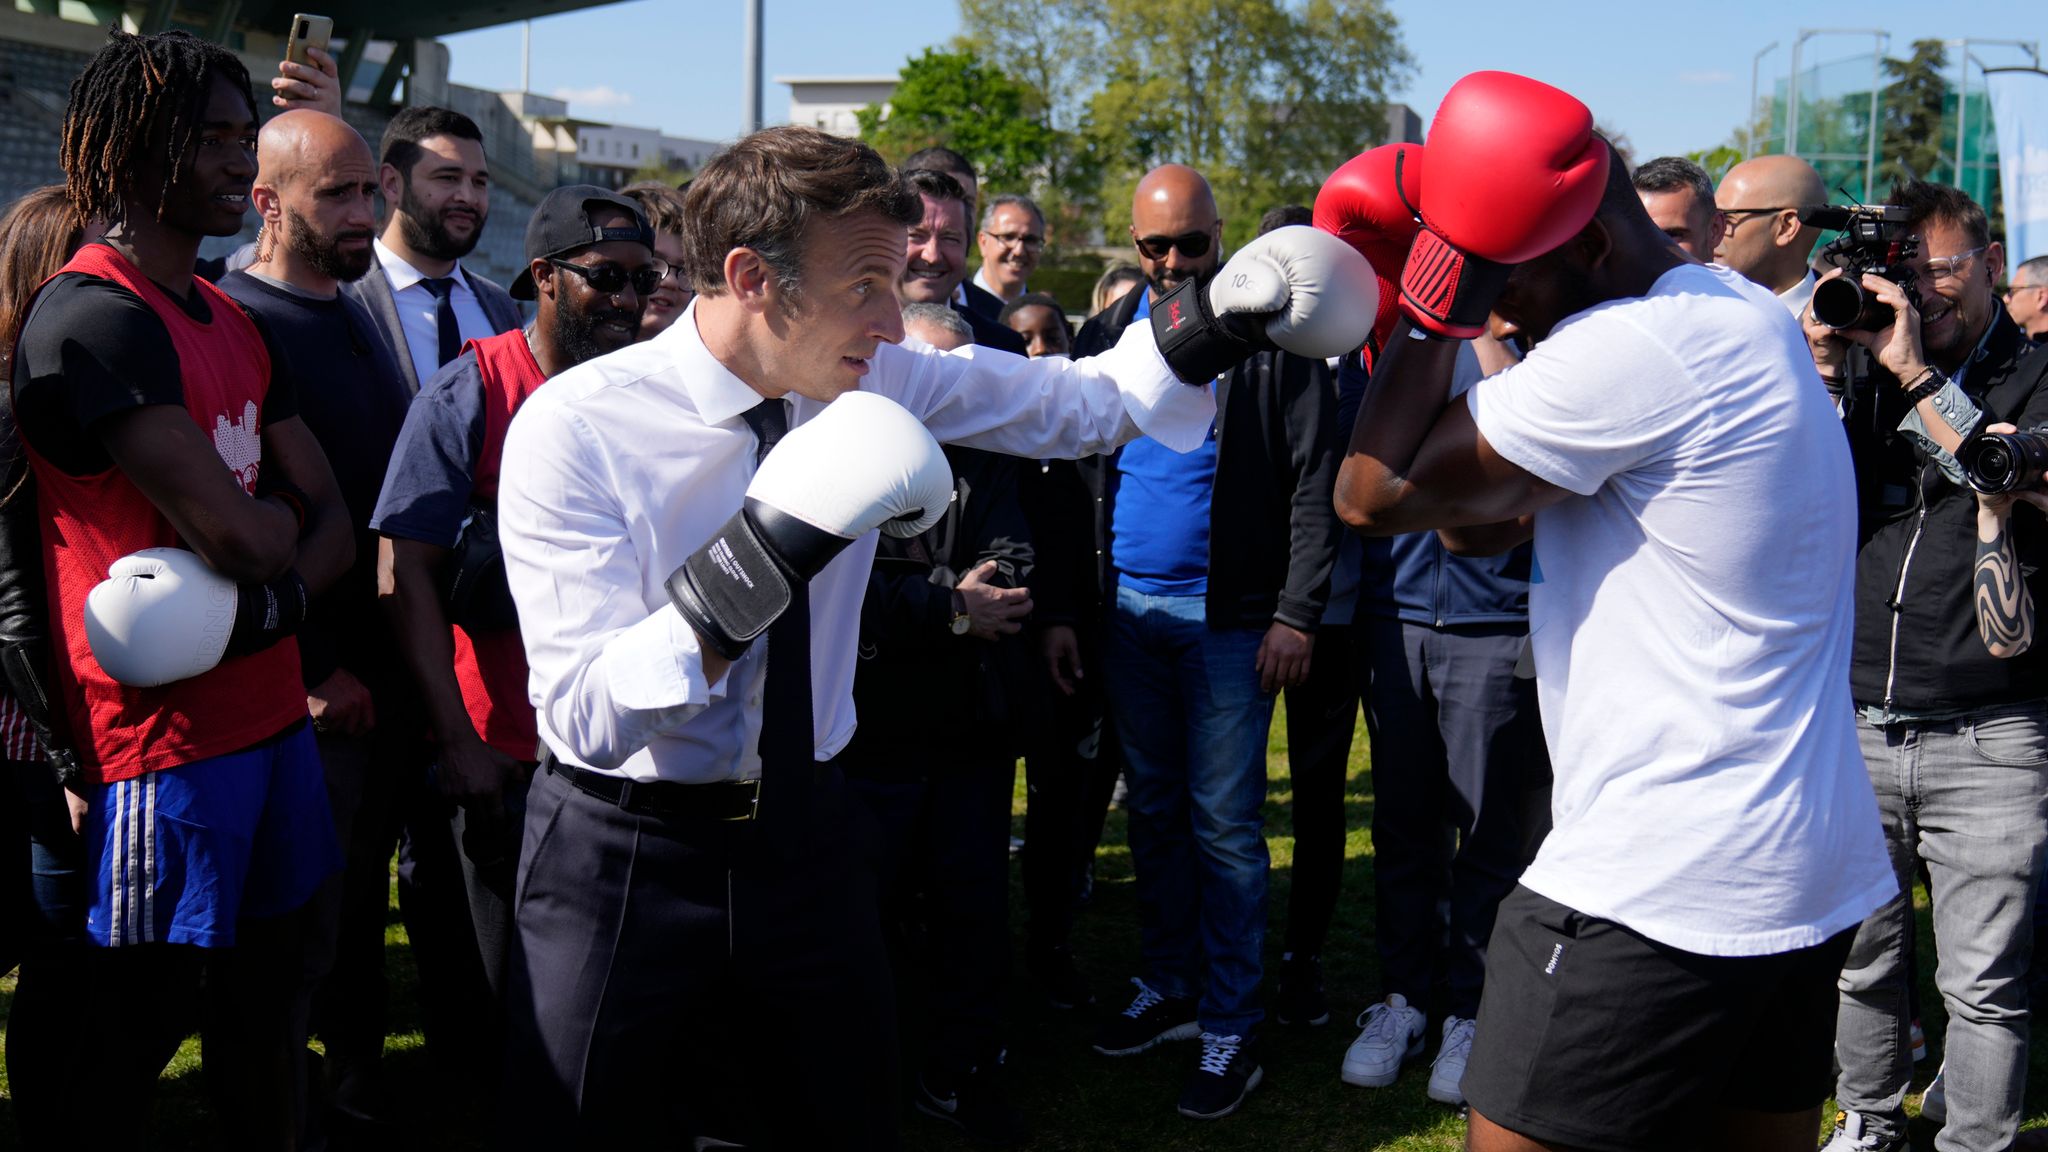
(1664, 976)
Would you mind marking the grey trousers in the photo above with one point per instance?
(1970, 797)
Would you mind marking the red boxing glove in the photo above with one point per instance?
(1362, 205)
(1515, 169)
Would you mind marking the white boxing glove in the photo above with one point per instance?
(1297, 288)
(1320, 294)
(862, 463)
(160, 615)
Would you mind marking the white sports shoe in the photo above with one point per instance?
(1392, 1035)
(1934, 1101)
(1448, 1072)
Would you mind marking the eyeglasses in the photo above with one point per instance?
(675, 270)
(2006, 290)
(1945, 268)
(1028, 241)
(1736, 216)
(611, 279)
(1193, 245)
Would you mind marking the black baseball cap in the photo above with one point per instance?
(562, 225)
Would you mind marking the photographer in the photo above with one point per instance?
(1954, 737)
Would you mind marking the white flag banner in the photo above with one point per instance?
(2019, 110)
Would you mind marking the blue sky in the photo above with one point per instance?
(1673, 79)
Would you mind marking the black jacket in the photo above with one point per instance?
(990, 334)
(1916, 642)
(1273, 528)
(918, 688)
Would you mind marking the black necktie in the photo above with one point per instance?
(788, 747)
(443, 288)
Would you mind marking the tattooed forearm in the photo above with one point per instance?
(2005, 609)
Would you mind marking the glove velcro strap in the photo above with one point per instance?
(1453, 290)
(1196, 345)
(267, 613)
(731, 589)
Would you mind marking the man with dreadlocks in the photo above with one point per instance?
(156, 422)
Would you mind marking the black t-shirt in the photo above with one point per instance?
(353, 399)
(91, 348)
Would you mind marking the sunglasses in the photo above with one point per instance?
(611, 279)
(1193, 245)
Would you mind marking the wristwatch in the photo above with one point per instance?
(961, 620)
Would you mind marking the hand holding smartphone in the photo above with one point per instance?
(306, 77)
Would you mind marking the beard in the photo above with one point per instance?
(1164, 280)
(324, 254)
(581, 336)
(427, 232)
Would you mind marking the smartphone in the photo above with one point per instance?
(308, 31)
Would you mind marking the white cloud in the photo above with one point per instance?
(1713, 76)
(602, 96)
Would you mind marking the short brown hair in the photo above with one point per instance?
(763, 192)
(662, 204)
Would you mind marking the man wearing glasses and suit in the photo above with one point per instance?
(1213, 568)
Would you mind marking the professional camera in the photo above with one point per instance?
(1999, 462)
(1874, 240)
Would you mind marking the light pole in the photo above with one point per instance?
(1749, 122)
(752, 103)
(1879, 36)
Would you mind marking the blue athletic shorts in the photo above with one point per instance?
(181, 854)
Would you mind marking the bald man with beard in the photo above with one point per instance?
(1763, 238)
(316, 187)
(1213, 574)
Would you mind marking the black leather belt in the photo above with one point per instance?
(725, 800)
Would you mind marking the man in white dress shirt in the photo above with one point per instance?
(698, 954)
(1762, 236)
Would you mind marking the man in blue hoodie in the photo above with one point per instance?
(1460, 779)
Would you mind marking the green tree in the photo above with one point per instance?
(1718, 159)
(1912, 119)
(1265, 97)
(959, 100)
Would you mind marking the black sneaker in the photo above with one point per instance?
(1227, 1072)
(1062, 983)
(974, 1103)
(1300, 999)
(1149, 1019)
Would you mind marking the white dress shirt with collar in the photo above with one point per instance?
(415, 304)
(1798, 296)
(622, 467)
(981, 282)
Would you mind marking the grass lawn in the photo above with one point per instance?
(1074, 1098)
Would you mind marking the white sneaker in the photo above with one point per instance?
(1448, 1073)
(1934, 1101)
(1849, 1136)
(1393, 1034)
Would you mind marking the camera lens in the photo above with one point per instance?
(1842, 303)
(1998, 462)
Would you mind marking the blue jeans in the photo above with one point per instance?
(1970, 796)
(1193, 724)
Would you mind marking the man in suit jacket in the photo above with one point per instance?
(936, 260)
(437, 189)
(969, 298)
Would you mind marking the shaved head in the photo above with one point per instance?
(302, 141)
(1763, 238)
(316, 187)
(1173, 211)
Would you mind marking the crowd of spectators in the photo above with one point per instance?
(363, 443)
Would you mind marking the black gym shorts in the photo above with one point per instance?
(1594, 1036)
